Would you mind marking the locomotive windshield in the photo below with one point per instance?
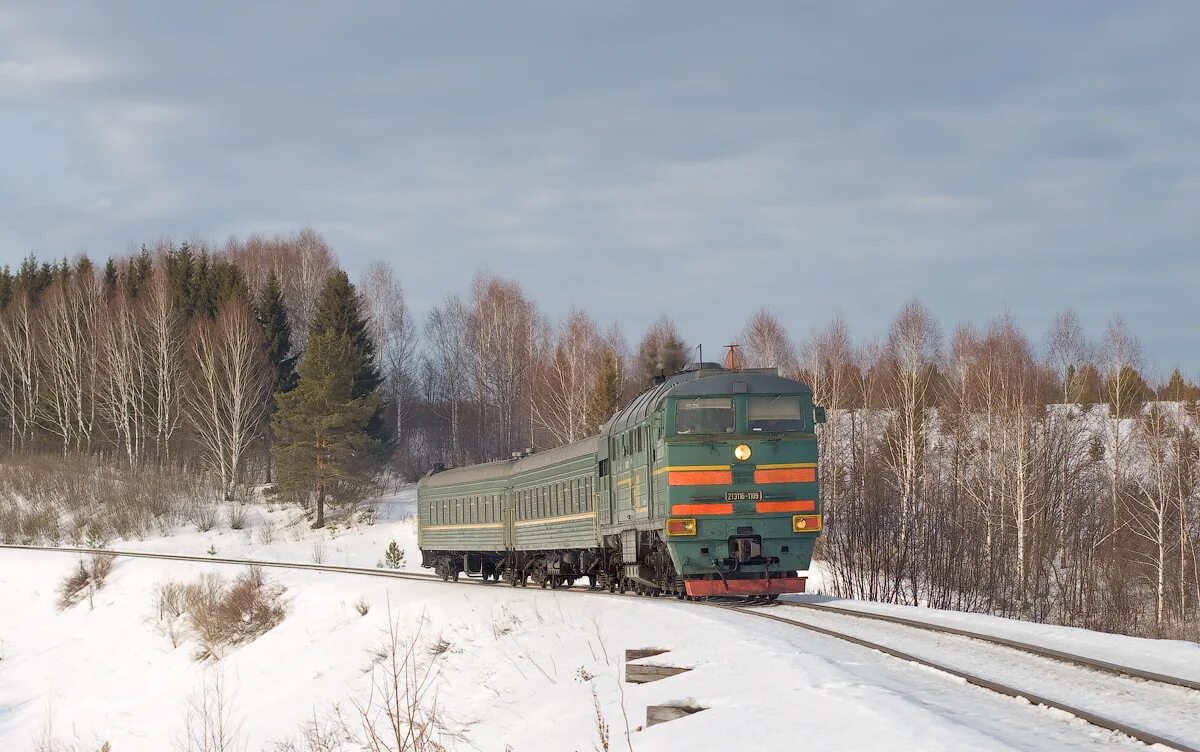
(704, 415)
(776, 414)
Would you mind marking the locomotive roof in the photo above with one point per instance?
(696, 382)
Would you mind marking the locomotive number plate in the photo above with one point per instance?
(743, 496)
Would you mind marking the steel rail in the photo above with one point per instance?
(1109, 724)
(393, 573)
(1058, 655)
(1138, 734)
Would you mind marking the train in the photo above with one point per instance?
(704, 486)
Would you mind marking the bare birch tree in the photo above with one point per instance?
(229, 385)
(164, 363)
(68, 358)
(21, 376)
(567, 377)
(392, 329)
(765, 344)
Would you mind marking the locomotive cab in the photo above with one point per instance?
(740, 465)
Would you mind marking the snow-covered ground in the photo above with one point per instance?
(514, 674)
(519, 666)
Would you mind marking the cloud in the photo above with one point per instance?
(676, 158)
(32, 61)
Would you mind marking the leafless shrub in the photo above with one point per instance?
(84, 580)
(203, 514)
(71, 590)
(362, 606)
(99, 567)
(332, 735)
(222, 614)
(401, 714)
(210, 724)
(602, 732)
(236, 514)
(266, 531)
(170, 599)
(318, 552)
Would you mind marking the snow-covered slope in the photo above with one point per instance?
(514, 671)
(279, 532)
(519, 666)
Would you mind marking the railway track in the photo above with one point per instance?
(1082, 687)
(1047, 677)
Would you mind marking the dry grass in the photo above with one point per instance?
(84, 502)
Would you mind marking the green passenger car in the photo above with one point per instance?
(705, 485)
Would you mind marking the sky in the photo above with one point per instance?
(696, 159)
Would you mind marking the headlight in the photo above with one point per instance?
(806, 523)
(681, 527)
(742, 452)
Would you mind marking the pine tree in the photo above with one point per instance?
(605, 396)
(1088, 385)
(1177, 390)
(323, 446)
(1127, 393)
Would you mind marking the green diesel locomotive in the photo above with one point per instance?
(705, 485)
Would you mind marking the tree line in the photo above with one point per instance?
(261, 362)
(988, 472)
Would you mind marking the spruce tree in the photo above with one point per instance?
(6, 286)
(110, 279)
(323, 447)
(277, 335)
(277, 338)
(339, 312)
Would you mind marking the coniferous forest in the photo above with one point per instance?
(1035, 475)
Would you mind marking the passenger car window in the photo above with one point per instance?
(704, 415)
(776, 414)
